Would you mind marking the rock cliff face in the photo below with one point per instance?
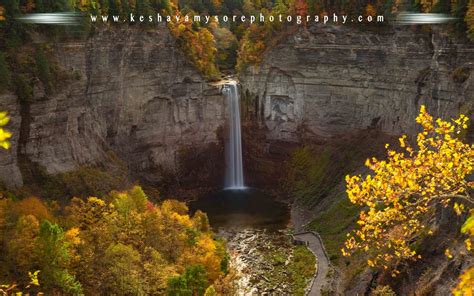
(326, 81)
(325, 84)
(133, 93)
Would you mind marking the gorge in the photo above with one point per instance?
(129, 100)
(169, 106)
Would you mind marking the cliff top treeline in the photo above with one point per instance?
(214, 47)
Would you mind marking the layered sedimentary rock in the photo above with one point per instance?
(325, 81)
(324, 84)
(9, 172)
(130, 93)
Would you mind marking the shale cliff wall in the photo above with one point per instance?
(345, 91)
(133, 93)
(326, 81)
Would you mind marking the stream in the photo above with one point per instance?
(256, 229)
(254, 224)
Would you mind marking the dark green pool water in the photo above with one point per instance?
(240, 209)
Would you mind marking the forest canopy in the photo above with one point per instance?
(119, 244)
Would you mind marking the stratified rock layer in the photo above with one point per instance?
(326, 80)
(131, 92)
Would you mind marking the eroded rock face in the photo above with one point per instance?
(131, 92)
(326, 81)
(9, 172)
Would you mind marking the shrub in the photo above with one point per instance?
(383, 291)
(460, 74)
(5, 74)
(43, 70)
(23, 88)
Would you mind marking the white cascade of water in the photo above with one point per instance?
(234, 178)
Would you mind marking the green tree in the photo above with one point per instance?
(279, 7)
(192, 282)
(53, 258)
(142, 7)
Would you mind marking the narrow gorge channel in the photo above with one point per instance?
(254, 223)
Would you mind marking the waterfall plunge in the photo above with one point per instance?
(234, 178)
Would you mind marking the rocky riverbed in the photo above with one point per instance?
(268, 263)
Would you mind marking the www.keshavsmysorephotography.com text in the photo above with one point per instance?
(261, 18)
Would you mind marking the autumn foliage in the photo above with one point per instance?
(198, 43)
(4, 135)
(403, 191)
(466, 280)
(121, 244)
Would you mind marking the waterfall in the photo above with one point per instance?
(234, 178)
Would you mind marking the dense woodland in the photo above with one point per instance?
(120, 244)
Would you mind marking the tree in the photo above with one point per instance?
(210, 291)
(21, 243)
(142, 7)
(204, 253)
(14, 289)
(370, 10)
(156, 272)
(466, 280)
(201, 221)
(2, 14)
(300, 7)
(470, 19)
(192, 282)
(120, 244)
(5, 74)
(279, 7)
(123, 265)
(43, 70)
(4, 135)
(53, 258)
(403, 191)
(32, 206)
(161, 5)
(198, 44)
(248, 7)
